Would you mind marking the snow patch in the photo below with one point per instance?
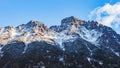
(61, 59)
(47, 51)
(89, 49)
(89, 59)
(42, 66)
(100, 62)
(51, 37)
(62, 37)
(89, 35)
(1, 52)
(1, 30)
(13, 33)
(116, 53)
(25, 48)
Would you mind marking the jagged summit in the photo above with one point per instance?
(90, 31)
(34, 23)
(70, 20)
(73, 44)
(70, 26)
(32, 31)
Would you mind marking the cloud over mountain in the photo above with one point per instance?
(108, 15)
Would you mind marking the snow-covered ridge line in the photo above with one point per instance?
(70, 29)
(32, 31)
(83, 41)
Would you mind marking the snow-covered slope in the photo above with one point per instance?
(71, 26)
(73, 44)
(30, 32)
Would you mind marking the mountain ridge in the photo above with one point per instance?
(73, 44)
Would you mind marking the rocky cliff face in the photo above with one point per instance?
(73, 44)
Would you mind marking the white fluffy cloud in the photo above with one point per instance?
(108, 15)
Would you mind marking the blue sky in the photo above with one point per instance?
(50, 12)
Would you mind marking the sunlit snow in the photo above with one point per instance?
(62, 37)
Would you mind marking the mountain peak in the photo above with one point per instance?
(87, 41)
(32, 31)
(34, 23)
(71, 20)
